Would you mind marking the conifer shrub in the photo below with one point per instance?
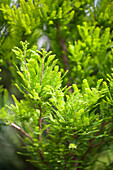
(62, 130)
(64, 116)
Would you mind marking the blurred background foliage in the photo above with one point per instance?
(79, 32)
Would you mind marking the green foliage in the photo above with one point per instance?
(104, 14)
(92, 54)
(21, 19)
(65, 112)
(62, 127)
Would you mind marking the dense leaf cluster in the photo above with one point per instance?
(65, 114)
(63, 128)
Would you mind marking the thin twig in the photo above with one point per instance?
(40, 117)
(39, 136)
(91, 142)
(92, 145)
(18, 128)
(40, 120)
(64, 49)
(41, 156)
(9, 63)
(65, 60)
(100, 143)
(64, 53)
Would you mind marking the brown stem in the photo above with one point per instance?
(39, 136)
(111, 131)
(18, 128)
(100, 143)
(64, 53)
(9, 63)
(91, 142)
(40, 118)
(65, 58)
(64, 49)
(41, 156)
(92, 145)
(103, 124)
